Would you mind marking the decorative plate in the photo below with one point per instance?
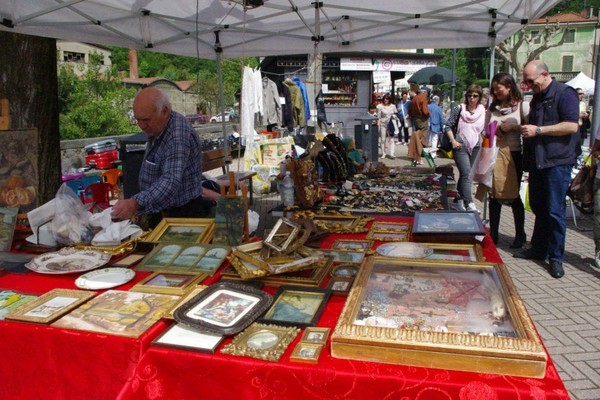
(68, 261)
(404, 250)
(104, 278)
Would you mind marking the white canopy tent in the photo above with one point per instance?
(584, 82)
(236, 28)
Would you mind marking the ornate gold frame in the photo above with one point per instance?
(20, 313)
(145, 286)
(124, 248)
(241, 346)
(205, 236)
(334, 222)
(313, 355)
(521, 356)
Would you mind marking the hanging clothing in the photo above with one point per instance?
(248, 105)
(297, 104)
(287, 116)
(271, 104)
(305, 100)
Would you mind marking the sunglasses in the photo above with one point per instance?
(473, 95)
(581, 94)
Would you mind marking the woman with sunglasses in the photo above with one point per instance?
(386, 112)
(508, 110)
(464, 127)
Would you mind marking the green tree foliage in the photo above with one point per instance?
(94, 106)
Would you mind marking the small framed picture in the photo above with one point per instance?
(340, 285)
(315, 335)
(345, 256)
(186, 230)
(297, 306)
(128, 261)
(352, 245)
(50, 306)
(183, 337)
(388, 236)
(382, 226)
(168, 283)
(344, 271)
(224, 307)
(262, 341)
(307, 352)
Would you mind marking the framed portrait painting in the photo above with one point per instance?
(184, 230)
(297, 306)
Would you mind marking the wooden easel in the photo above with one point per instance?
(4, 115)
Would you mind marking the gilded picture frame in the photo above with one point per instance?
(185, 257)
(352, 245)
(183, 230)
(262, 341)
(389, 236)
(341, 223)
(282, 235)
(168, 282)
(339, 256)
(225, 307)
(50, 306)
(306, 352)
(458, 252)
(315, 335)
(385, 226)
(296, 306)
(463, 316)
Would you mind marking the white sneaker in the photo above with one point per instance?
(471, 207)
(597, 263)
(457, 205)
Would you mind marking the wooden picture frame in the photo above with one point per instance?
(352, 245)
(183, 230)
(340, 285)
(315, 335)
(306, 352)
(50, 306)
(185, 257)
(469, 317)
(13, 299)
(456, 252)
(116, 312)
(297, 306)
(344, 271)
(167, 282)
(129, 260)
(389, 236)
(385, 226)
(282, 235)
(262, 341)
(225, 308)
(183, 337)
(447, 226)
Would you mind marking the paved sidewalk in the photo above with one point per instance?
(566, 311)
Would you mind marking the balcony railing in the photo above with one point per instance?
(564, 76)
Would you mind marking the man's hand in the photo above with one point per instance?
(124, 209)
(528, 131)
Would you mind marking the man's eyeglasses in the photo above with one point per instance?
(530, 82)
(473, 95)
(580, 94)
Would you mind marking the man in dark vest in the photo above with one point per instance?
(551, 147)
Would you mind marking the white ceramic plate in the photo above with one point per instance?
(104, 278)
(404, 250)
(67, 261)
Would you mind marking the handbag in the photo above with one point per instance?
(445, 142)
(581, 189)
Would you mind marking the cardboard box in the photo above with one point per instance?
(273, 154)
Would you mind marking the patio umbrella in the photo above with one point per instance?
(431, 76)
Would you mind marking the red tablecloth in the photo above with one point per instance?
(45, 362)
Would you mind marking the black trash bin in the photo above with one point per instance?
(366, 136)
(131, 153)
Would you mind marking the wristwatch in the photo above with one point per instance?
(538, 131)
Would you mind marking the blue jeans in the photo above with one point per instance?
(547, 197)
(464, 162)
(597, 213)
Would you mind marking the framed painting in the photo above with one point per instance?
(340, 284)
(345, 256)
(8, 221)
(225, 308)
(297, 306)
(447, 226)
(439, 314)
(384, 226)
(262, 341)
(306, 352)
(315, 335)
(185, 257)
(389, 236)
(50, 306)
(12, 299)
(183, 230)
(164, 282)
(185, 338)
(310, 277)
(456, 252)
(19, 169)
(352, 245)
(128, 261)
(344, 271)
(116, 312)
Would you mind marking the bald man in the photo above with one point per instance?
(171, 173)
(550, 149)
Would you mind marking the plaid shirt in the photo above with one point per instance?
(171, 172)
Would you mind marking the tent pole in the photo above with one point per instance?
(452, 96)
(219, 50)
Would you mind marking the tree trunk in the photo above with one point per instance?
(28, 79)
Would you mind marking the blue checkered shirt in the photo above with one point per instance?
(171, 172)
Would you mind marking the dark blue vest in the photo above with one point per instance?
(550, 151)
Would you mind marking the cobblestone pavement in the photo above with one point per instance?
(566, 311)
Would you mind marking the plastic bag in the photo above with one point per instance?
(482, 170)
(70, 224)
